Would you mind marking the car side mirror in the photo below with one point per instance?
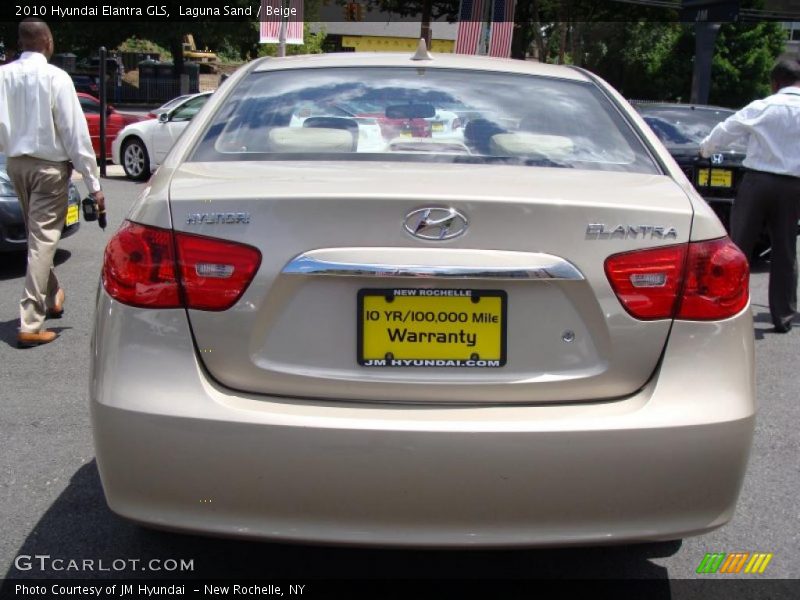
(163, 117)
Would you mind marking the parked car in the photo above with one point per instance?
(681, 127)
(85, 84)
(13, 237)
(369, 137)
(446, 124)
(543, 339)
(115, 121)
(141, 147)
(167, 106)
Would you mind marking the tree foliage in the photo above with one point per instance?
(654, 61)
(645, 52)
(234, 37)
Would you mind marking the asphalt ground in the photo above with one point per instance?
(51, 500)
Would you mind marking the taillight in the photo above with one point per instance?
(698, 281)
(717, 281)
(141, 268)
(647, 282)
(214, 273)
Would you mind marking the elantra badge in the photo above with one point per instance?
(601, 231)
(228, 218)
(435, 223)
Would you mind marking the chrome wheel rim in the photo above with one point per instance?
(134, 159)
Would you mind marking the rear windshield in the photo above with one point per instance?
(422, 114)
(685, 126)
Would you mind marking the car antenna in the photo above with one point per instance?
(422, 51)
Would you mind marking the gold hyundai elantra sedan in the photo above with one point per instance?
(333, 317)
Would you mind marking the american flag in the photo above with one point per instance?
(470, 26)
(502, 28)
(271, 11)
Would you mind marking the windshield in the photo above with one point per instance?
(685, 125)
(422, 114)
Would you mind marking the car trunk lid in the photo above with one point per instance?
(533, 253)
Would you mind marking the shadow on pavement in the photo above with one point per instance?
(79, 525)
(14, 264)
(766, 318)
(8, 332)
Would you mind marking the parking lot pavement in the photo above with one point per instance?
(112, 171)
(52, 502)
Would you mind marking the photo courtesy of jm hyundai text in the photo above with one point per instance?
(422, 300)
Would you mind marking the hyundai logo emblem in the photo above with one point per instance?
(716, 159)
(435, 223)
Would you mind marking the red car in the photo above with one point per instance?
(392, 128)
(115, 121)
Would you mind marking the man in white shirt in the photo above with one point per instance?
(770, 189)
(42, 129)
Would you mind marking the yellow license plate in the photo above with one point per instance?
(72, 215)
(437, 127)
(409, 327)
(715, 178)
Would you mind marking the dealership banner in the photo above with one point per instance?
(485, 27)
(273, 15)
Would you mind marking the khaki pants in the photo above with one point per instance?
(42, 186)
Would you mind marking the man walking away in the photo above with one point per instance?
(42, 128)
(770, 189)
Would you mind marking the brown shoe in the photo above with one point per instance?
(57, 311)
(27, 339)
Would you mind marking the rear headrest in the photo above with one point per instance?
(527, 144)
(331, 123)
(312, 139)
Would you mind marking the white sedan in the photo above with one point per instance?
(142, 146)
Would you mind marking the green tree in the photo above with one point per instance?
(645, 52)
(556, 30)
(743, 57)
(653, 61)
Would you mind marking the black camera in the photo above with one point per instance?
(91, 212)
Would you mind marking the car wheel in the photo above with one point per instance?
(135, 160)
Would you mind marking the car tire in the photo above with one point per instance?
(135, 160)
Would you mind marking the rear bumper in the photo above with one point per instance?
(176, 451)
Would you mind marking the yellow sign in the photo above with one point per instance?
(372, 43)
(718, 178)
(72, 214)
(432, 328)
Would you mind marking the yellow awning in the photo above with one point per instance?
(370, 43)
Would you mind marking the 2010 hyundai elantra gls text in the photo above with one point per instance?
(327, 320)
